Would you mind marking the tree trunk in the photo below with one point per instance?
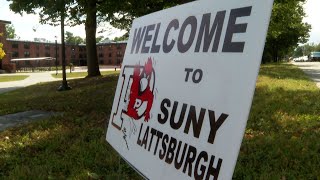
(91, 27)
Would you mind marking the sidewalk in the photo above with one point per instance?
(312, 69)
(38, 77)
(33, 78)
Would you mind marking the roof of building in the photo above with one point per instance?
(101, 43)
(107, 40)
(112, 42)
(5, 22)
(19, 40)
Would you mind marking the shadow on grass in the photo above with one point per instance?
(61, 148)
(282, 136)
(87, 95)
(68, 146)
(6, 89)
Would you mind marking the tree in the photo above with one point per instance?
(286, 29)
(298, 52)
(99, 39)
(125, 12)
(76, 12)
(306, 49)
(94, 12)
(2, 53)
(121, 38)
(71, 39)
(317, 47)
(11, 31)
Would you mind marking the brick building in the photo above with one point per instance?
(109, 53)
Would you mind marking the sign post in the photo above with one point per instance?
(186, 88)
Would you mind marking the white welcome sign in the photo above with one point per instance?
(186, 87)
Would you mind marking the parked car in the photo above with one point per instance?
(304, 58)
(301, 59)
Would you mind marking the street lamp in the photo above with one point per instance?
(72, 59)
(64, 85)
(55, 37)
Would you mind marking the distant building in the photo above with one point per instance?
(109, 53)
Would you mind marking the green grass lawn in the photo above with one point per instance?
(282, 139)
(13, 78)
(82, 74)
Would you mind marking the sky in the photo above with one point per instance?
(313, 14)
(25, 24)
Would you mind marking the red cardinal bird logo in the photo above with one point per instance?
(141, 95)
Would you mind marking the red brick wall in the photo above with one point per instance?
(111, 54)
(108, 53)
(75, 54)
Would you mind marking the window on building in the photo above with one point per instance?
(47, 46)
(119, 54)
(15, 45)
(118, 46)
(110, 61)
(100, 54)
(110, 54)
(15, 54)
(47, 54)
(26, 54)
(110, 47)
(82, 49)
(37, 46)
(26, 45)
(100, 47)
(101, 61)
(118, 61)
(37, 55)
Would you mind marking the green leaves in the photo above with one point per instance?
(124, 13)
(71, 39)
(10, 31)
(286, 29)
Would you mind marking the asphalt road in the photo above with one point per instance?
(312, 69)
